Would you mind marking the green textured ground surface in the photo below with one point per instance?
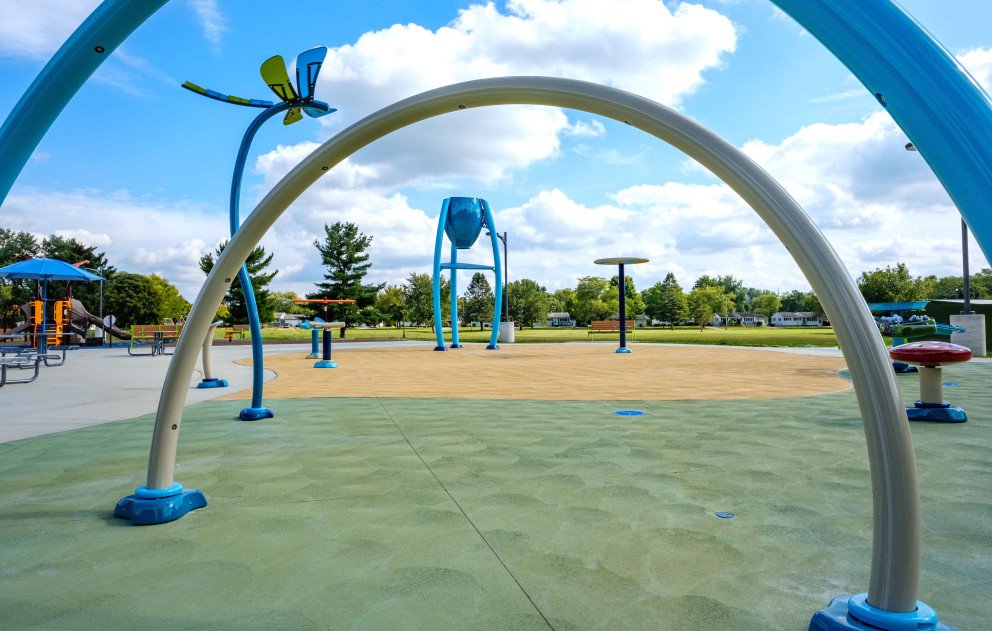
(502, 515)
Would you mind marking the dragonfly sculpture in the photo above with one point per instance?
(294, 101)
(275, 75)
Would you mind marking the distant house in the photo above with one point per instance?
(743, 318)
(288, 319)
(797, 318)
(560, 318)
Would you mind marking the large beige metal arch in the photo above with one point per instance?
(896, 537)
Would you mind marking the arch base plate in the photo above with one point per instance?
(212, 382)
(948, 414)
(158, 506)
(255, 414)
(853, 613)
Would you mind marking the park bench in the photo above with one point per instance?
(608, 326)
(241, 330)
(153, 336)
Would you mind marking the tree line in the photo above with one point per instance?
(131, 298)
(141, 299)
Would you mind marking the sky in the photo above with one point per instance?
(140, 168)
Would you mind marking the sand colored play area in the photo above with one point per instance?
(548, 372)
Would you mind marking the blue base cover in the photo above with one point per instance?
(455, 346)
(903, 368)
(325, 364)
(853, 613)
(213, 382)
(255, 414)
(623, 351)
(158, 506)
(440, 348)
(936, 414)
(492, 347)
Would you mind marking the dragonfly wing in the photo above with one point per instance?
(308, 65)
(313, 112)
(293, 115)
(275, 76)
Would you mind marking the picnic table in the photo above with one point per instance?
(153, 336)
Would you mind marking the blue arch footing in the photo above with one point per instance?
(158, 506)
(255, 414)
(853, 613)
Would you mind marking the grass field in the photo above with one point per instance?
(733, 336)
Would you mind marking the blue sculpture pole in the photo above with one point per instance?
(454, 297)
(498, 270)
(256, 411)
(442, 221)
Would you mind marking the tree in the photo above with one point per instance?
(235, 297)
(16, 246)
(343, 254)
(285, 302)
(562, 300)
(665, 301)
(133, 299)
(633, 303)
(705, 301)
(895, 284)
(72, 251)
(730, 285)
(592, 300)
(170, 303)
(419, 298)
(529, 302)
(391, 303)
(479, 301)
(766, 303)
(370, 316)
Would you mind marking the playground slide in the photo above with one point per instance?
(18, 329)
(81, 315)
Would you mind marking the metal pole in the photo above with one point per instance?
(967, 276)
(506, 281)
(623, 310)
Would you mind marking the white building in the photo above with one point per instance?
(796, 318)
(743, 318)
(560, 318)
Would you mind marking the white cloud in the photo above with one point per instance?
(142, 237)
(211, 20)
(978, 62)
(36, 29)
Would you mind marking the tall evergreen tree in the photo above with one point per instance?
(235, 297)
(479, 299)
(343, 252)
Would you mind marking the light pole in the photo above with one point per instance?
(966, 289)
(974, 335)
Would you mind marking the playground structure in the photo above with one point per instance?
(902, 329)
(67, 321)
(904, 67)
(462, 219)
(293, 102)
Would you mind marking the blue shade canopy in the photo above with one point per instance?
(47, 269)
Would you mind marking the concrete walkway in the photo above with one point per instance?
(100, 385)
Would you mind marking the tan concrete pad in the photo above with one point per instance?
(585, 372)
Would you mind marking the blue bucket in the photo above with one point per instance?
(465, 221)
